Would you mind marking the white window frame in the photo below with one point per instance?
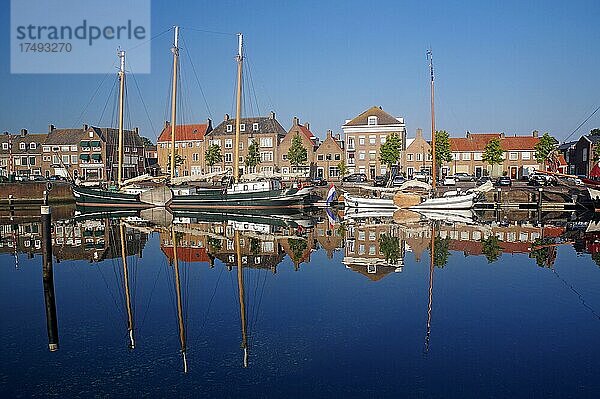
(372, 120)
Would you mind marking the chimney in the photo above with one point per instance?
(295, 121)
(307, 125)
(419, 134)
(272, 115)
(23, 132)
(329, 133)
(226, 117)
(136, 130)
(536, 133)
(51, 128)
(468, 134)
(167, 124)
(208, 125)
(85, 126)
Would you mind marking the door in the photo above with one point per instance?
(513, 172)
(320, 172)
(372, 172)
(478, 171)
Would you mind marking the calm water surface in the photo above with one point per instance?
(331, 309)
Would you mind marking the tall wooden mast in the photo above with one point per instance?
(434, 167)
(238, 109)
(175, 51)
(126, 284)
(182, 340)
(240, 276)
(121, 55)
(430, 293)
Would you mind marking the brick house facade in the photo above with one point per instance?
(26, 151)
(309, 141)
(328, 156)
(417, 156)
(189, 144)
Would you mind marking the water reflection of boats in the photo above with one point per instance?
(449, 216)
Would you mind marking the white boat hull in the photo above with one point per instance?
(465, 201)
(351, 201)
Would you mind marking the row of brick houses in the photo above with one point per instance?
(359, 149)
(87, 153)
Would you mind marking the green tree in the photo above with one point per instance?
(214, 243)
(542, 251)
(545, 148)
(595, 132)
(178, 161)
(442, 148)
(493, 153)
(253, 157)
(390, 248)
(297, 248)
(213, 155)
(491, 248)
(441, 251)
(297, 154)
(342, 168)
(146, 142)
(389, 152)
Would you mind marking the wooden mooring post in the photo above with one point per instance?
(48, 275)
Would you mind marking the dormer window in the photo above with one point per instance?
(372, 121)
(230, 128)
(32, 146)
(255, 127)
(22, 146)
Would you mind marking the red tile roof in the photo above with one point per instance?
(187, 254)
(185, 132)
(478, 141)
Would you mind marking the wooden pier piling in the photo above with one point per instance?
(48, 276)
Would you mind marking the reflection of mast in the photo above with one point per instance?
(179, 304)
(48, 278)
(430, 300)
(126, 283)
(240, 275)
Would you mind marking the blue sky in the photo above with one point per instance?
(510, 66)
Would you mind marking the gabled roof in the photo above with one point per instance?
(185, 132)
(266, 124)
(106, 134)
(519, 143)
(592, 138)
(66, 136)
(477, 142)
(566, 146)
(187, 254)
(383, 118)
(17, 139)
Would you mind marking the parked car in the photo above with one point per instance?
(56, 178)
(355, 178)
(422, 176)
(398, 181)
(380, 181)
(449, 181)
(36, 178)
(461, 176)
(483, 179)
(318, 181)
(503, 181)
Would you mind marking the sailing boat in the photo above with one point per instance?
(255, 195)
(123, 197)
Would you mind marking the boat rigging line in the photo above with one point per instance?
(582, 123)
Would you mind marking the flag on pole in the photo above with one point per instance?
(330, 194)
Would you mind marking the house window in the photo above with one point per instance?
(337, 157)
(242, 127)
(584, 154)
(22, 146)
(372, 120)
(195, 157)
(334, 171)
(255, 127)
(361, 140)
(266, 142)
(73, 148)
(266, 156)
(46, 148)
(47, 158)
(284, 157)
(477, 156)
(350, 143)
(372, 140)
(66, 159)
(32, 146)
(228, 143)
(372, 155)
(31, 160)
(455, 156)
(466, 156)
(228, 157)
(230, 128)
(409, 157)
(73, 159)
(328, 157)
(419, 156)
(361, 155)
(320, 157)
(5, 146)
(382, 139)
(527, 155)
(513, 156)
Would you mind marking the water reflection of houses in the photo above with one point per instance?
(363, 252)
(21, 238)
(328, 237)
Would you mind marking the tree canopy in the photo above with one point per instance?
(178, 161)
(147, 142)
(253, 157)
(595, 132)
(491, 248)
(442, 147)
(545, 147)
(389, 152)
(343, 168)
(390, 248)
(297, 154)
(213, 155)
(493, 153)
